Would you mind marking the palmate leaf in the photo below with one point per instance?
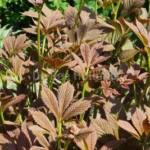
(70, 15)
(128, 4)
(128, 51)
(84, 137)
(6, 142)
(14, 45)
(85, 140)
(30, 13)
(137, 119)
(132, 7)
(43, 141)
(84, 27)
(25, 140)
(20, 66)
(91, 57)
(49, 20)
(42, 120)
(76, 108)
(91, 140)
(86, 54)
(65, 96)
(140, 31)
(140, 121)
(106, 126)
(18, 138)
(4, 139)
(128, 127)
(64, 108)
(38, 130)
(39, 133)
(12, 101)
(50, 101)
(79, 66)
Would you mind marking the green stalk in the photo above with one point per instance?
(149, 8)
(135, 95)
(59, 128)
(96, 8)
(65, 76)
(2, 116)
(39, 52)
(52, 79)
(113, 8)
(19, 118)
(83, 90)
(83, 95)
(66, 145)
(43, 45)
(39, 34)
(148, 61)
(85, 145)
(78, 14)
(117, 9)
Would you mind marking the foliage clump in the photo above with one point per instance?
(77, 78)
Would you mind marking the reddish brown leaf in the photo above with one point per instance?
(50, 101)
(42, 120)
(128, 127)
(65, 96)
(76, 108)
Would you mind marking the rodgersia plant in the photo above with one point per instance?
(75, 79)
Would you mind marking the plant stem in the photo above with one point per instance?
(135, 96)
(59, 128)
(39, 51)
(52, 79)
(96, 8)
(43, 45)
(149, 8)
(79, 12)
(65, 77)
(19, 118)
(2, 116)
(58, 4)
(39, 34)
(115, 11)
(84, 89)
(66, 145)
(83, 95)
(113, 8)
(85, 145)
(148, 61)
